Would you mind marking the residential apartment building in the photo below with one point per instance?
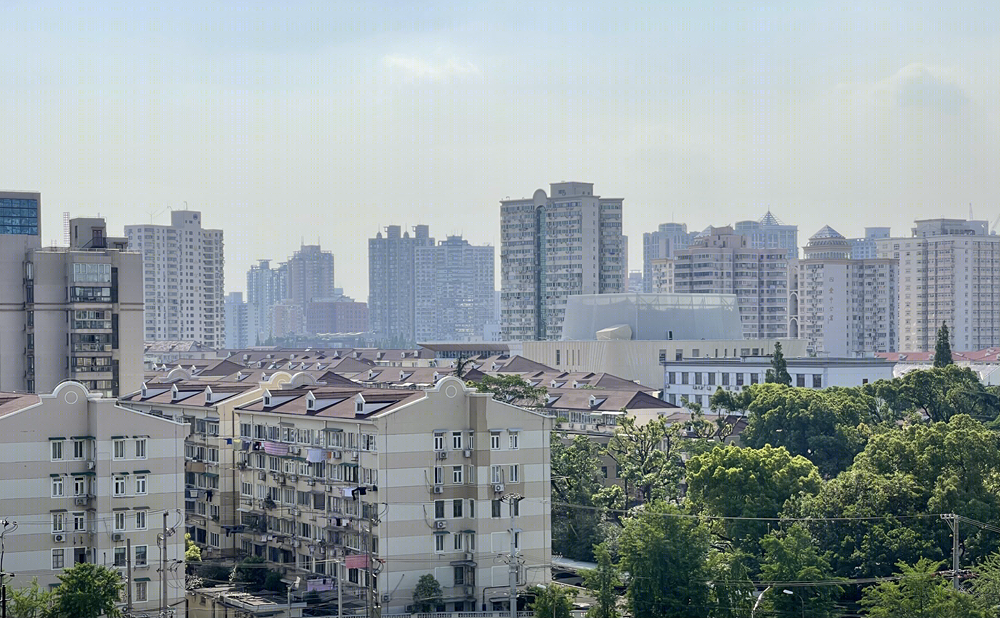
(949, 272)
(555, 247)
(843, 307)
(336, 315)
(183, 279)
(413, 479)
(391, 282)
(68, 312)
(770, 233)
(310, 275)
(266, 287)
(237, 322)
(867, 248)
(83, 478)
(722, 261)
(209, 485)
(661, 244)
(663, 276)
(453, 290)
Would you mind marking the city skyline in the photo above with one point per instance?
(701, 114)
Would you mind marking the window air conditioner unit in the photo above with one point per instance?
(468, 452)
(116, 537)
(442, 455)
(438, 489)
(80, 501)
(440, 524)
(498, 488)
(58, 537)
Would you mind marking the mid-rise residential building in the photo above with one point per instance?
(554, 247)
(949, 273)
(183, 279)
(67, 312)
(237, 322)
(84, 478)
(336, 315)
(867, 248)
(663, 276)
(391, 282)
(722, 261)
(663, 243)
(770, 233)
(310, 275)
(453, 291)
(346, 477)
(266, 287)
(843, 307)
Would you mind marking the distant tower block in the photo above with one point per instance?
(65, 229)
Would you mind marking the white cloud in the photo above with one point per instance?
(415, 70)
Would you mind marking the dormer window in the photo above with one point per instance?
(371, 374)
(437, 376)
(208, 394)
(359, 404)
(402, 375)
(173, 393)
(593, 401)
(239, 376)
(145, 391)
(310, 401)
(267, 399)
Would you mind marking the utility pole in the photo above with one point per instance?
(163, 568)
(128, 577)
(952, 520)
(513, 500)
(5, 527)
(339, 565)
(373, 603)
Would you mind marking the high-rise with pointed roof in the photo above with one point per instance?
(769, 232)
(842, 307)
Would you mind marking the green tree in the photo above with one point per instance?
(747, 483)
(937, 393)
(250, 572)
(942, 349)
(576, 480)
(792, 556)
(648, 458)
(986, 585)
(512, 388)
(462, 366)
(32, 601)
(192, 553)
(552, 601)
(87, 590)
(920, 593)
(427, 593)
(733, 593)
(665, 554)
(603, 581)
(778, 373)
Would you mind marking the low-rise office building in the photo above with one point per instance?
(83, 477)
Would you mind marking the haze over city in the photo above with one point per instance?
(331, 120)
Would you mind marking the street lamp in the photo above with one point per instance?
(801, 599)
(759, 598)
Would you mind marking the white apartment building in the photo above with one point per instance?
(555, 247)
(724, 262)
(867, 248)
(183, 279)
(843, 307)
(949, 272)
(663, 276)
(415, 478)
(392, 282)
(663, 243)
(698, 379)
(770, 233)
(454, 290)
(83, 477)
(266, 288)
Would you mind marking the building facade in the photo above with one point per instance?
(663, 276)
(770, 233)
(342, 315)
(266, 287)
(310, 275)
(867, 248)
(724, 262)
(20, 221)
(83, 477)
(555, 247)
(391, 282)
(661, 244)
(949, 272)
(453, 290)
(237, 322)
(184, 279)
(337, 478)
(843, 307)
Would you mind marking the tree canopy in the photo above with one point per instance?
(511, 388)
(778, 373)
(87, 590)
(942, 348)
(427, 593)
(920, 593)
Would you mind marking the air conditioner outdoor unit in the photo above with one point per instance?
(442, 455)
(295, 511)
(329, 488)
(310, 482)
(262, 476)
(498, 487)
(293, 478)
(90, 465)
(438, 489)
(116, 537)
(468, 556)
(468, 452)
(440, 524)
(386, 598)
(59, 537)
(354, 455)
(80, 501)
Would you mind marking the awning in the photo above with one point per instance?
(84, 438)
(142, 472)
(57, 438)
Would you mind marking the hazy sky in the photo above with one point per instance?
(284, 121)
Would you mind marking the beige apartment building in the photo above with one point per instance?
(331, 474)
(663, 276)
(83, 478)
(949, 271)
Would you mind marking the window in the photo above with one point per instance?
(79, 449)
(456, 440)
(438, 475)
(119, 486)
(141, 555)
(79, 521)
(459, 571)
(457, 474)
(494, 440)
(140, 448)
(457, 542)
(79, 486)
(119, 521)
(141, 592)
(817, 380)
(495, 509)
(439, 442)
(496, 474)
(515, 473)
(58, 522)
(439, 509)
(120, 556)
(140, 520)
(213, 539)
(800, 380)
(438, 542)
(514, 439)
(472, 508)
(119, 449)
(57, 486)
(58, 558)
(140, 485)
(57, 450)
(456, 508)
(246, 489)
